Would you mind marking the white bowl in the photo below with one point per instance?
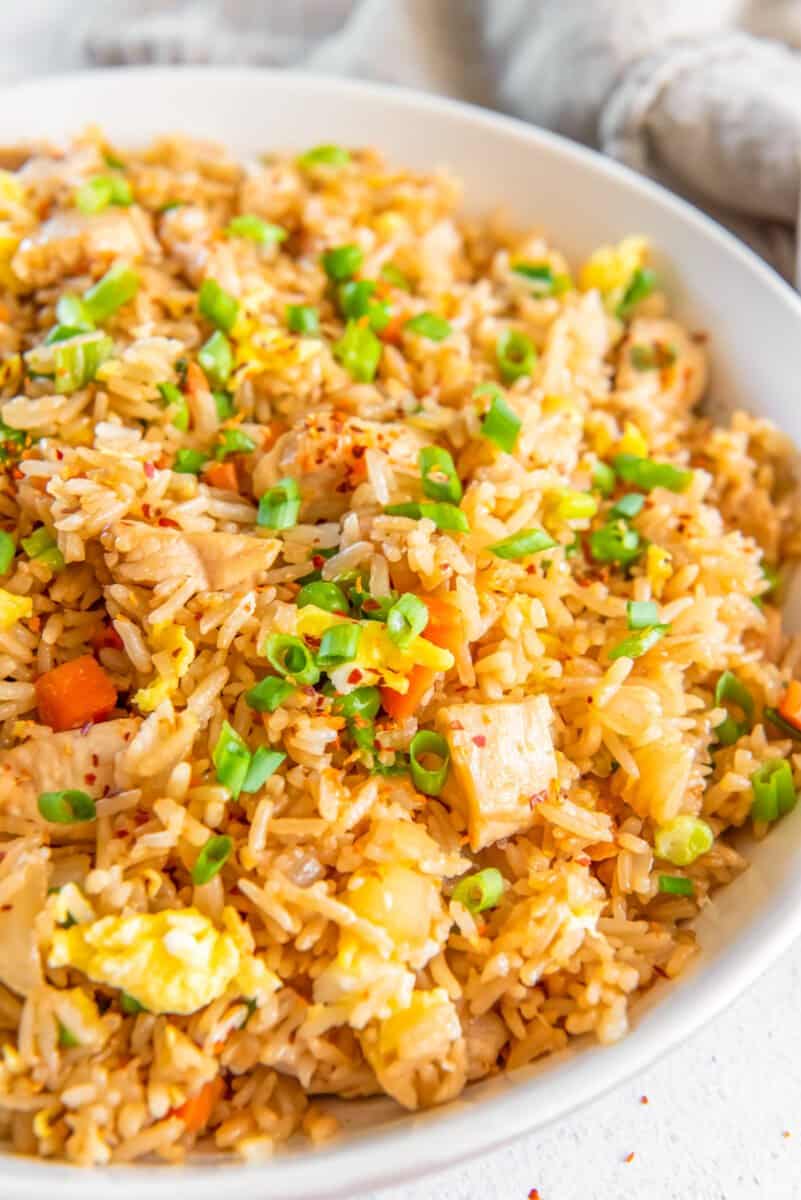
(754, 323)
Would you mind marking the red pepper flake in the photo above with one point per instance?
(629, 1157)
(317, 560)
(90, 777)
(60, 455)
(479, 740)
(583, 860)
(457, 725)
(355, 675)
(150, 470)
(534, 1194)
(146, 511)
(643, 1099)
(168, 523)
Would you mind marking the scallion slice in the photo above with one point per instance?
(359, 351)
(76, 362)
(234, 441)
(67, 807)
(729, 690)
(682, 840)
(362, 702)
(641, 284)
(439, 477)
(175, 400)
(603, 478)
(500, 423)
(342, 262)
(570, 505)
(254, 229)
(773, 790)
(676, 885)
(189, 462)
(217, 305)
(445, 516)
(639, 643)
(426, 743)
(217, 359)
(338, 645)
(480, 891)
(615, 542)
(231, 759)
(264, 763)
(429, 325)
(269, 694)
(211, 859)
(280, 506)
(515, 354)
(628, 506)
(353, 297)
(520, 545)
(394, 276)
(406, 619)
(303, 319)
(325, 156)
(647, 474)
(7, 551)
(130, 1005)
(641, 614)
(325, 595)
(290, 657)
(774, 716)
(118, 286)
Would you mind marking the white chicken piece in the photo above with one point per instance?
(502, 756)
(90, 762)
(146, 555)
(69, 242)
(679, 371)
(25, 863)
(326, 450)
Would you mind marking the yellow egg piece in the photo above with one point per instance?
(611, 267)
(173, 655)
(13, 608)
(633, 441)
(400, 900)
(173, 961)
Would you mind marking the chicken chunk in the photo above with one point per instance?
(88, 761)
(24, 861)
(679, 371)
(69, 243)
(502, 755)
(146, 555)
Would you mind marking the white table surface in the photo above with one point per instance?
(719, 1110)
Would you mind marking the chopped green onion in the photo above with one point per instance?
(231, 759)
(342, 262)
(772, 576)
(269, 694)
(291, 657)
(500, 423)
(544, 281)
(359, 351)
(224, 404)
(520, 545)
(325, 595)
(729, 690)
(338, 645)
(575, 506)
(67, 807)
(641, 614)
(480, 891)
(372, 608)
(71, 310)
(647, 474)
(515, 354)
(410, 509)
(363, 733)
(438, 472)
(641, 284)
(425, 742)
(234, 441)
(130, 1005)
(628, 506)
(170, 206)
(102, 190)
(429, 325)
(639, 643)
(615, 543)
(7, 551)
(76, 363)
(263, 764)
(174, 398)
(775, 718)
(280, 506)
(394, 276)
(217, 305)
(302, 319)
(406, 620)
(189, 462)
(363, 702)
(773, 790)
(66, 1039)
(676, 885)
(40, 546)
(325, 156)
(603, 478)
(118, 286)
(63, 333)
(249, 226)
(353, 297)
(211, 859)
(217, 359)
(446, 516)
(111, 160)
(683, 840)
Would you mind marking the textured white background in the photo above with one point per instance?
(718, 1109)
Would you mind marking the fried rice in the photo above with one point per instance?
(390, 646)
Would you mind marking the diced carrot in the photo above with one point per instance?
(790, 704)
(393, 330)
(221, 475)
(196, 1111)
(445, 628)
(75, 693)
(196, 380)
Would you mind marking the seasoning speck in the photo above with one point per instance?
(643, 1099)
(629, 1157)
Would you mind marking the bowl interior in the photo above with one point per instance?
(754, 325)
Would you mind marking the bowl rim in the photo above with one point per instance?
(459, 1130)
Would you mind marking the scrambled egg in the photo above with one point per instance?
(658, 568)
(173, 655)
(173, 961)
(13, 608)
(633, 441)
(610, 268)
(377, 654)
(428, 1014)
